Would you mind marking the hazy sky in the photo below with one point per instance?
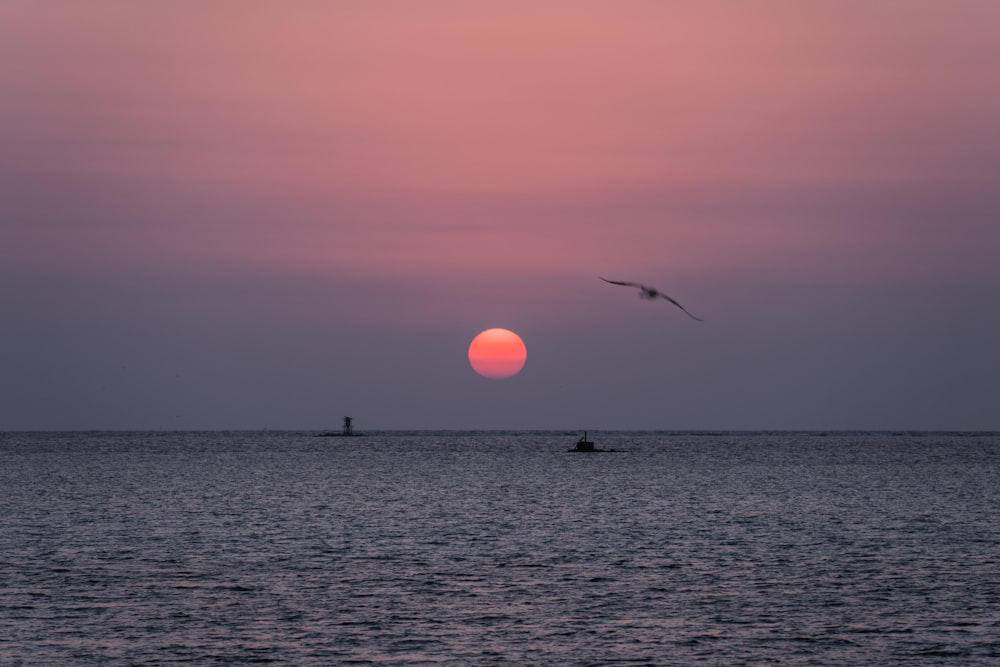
(274, 214)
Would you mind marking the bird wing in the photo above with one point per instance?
(620, 282)
(681, 307)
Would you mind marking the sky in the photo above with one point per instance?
(250, 215)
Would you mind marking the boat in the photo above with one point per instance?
(584, 445)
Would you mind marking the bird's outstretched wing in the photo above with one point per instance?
(681, 307)
(652, 294)
(620, 282)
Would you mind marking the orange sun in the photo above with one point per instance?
(497, 354)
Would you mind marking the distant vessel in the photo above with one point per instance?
(584, 445)
(347, 432)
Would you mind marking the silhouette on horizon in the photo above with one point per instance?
(651, 293)
(584, 445)
(348, 431)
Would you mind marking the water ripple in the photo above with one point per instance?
(465, 548)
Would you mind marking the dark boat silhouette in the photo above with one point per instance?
(584, 445)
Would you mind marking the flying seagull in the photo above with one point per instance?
(651, 293)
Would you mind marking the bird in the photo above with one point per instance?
(650, 293)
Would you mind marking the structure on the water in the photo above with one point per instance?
(584, 445)
(347, 432)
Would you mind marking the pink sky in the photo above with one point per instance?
(453, 166)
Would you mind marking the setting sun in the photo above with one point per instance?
(497, 354)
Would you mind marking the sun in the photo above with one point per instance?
(497, 354)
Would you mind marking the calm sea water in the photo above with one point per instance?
(404, 548)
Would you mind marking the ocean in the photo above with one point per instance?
(496, 548)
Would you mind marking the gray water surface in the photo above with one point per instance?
(403, 548)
